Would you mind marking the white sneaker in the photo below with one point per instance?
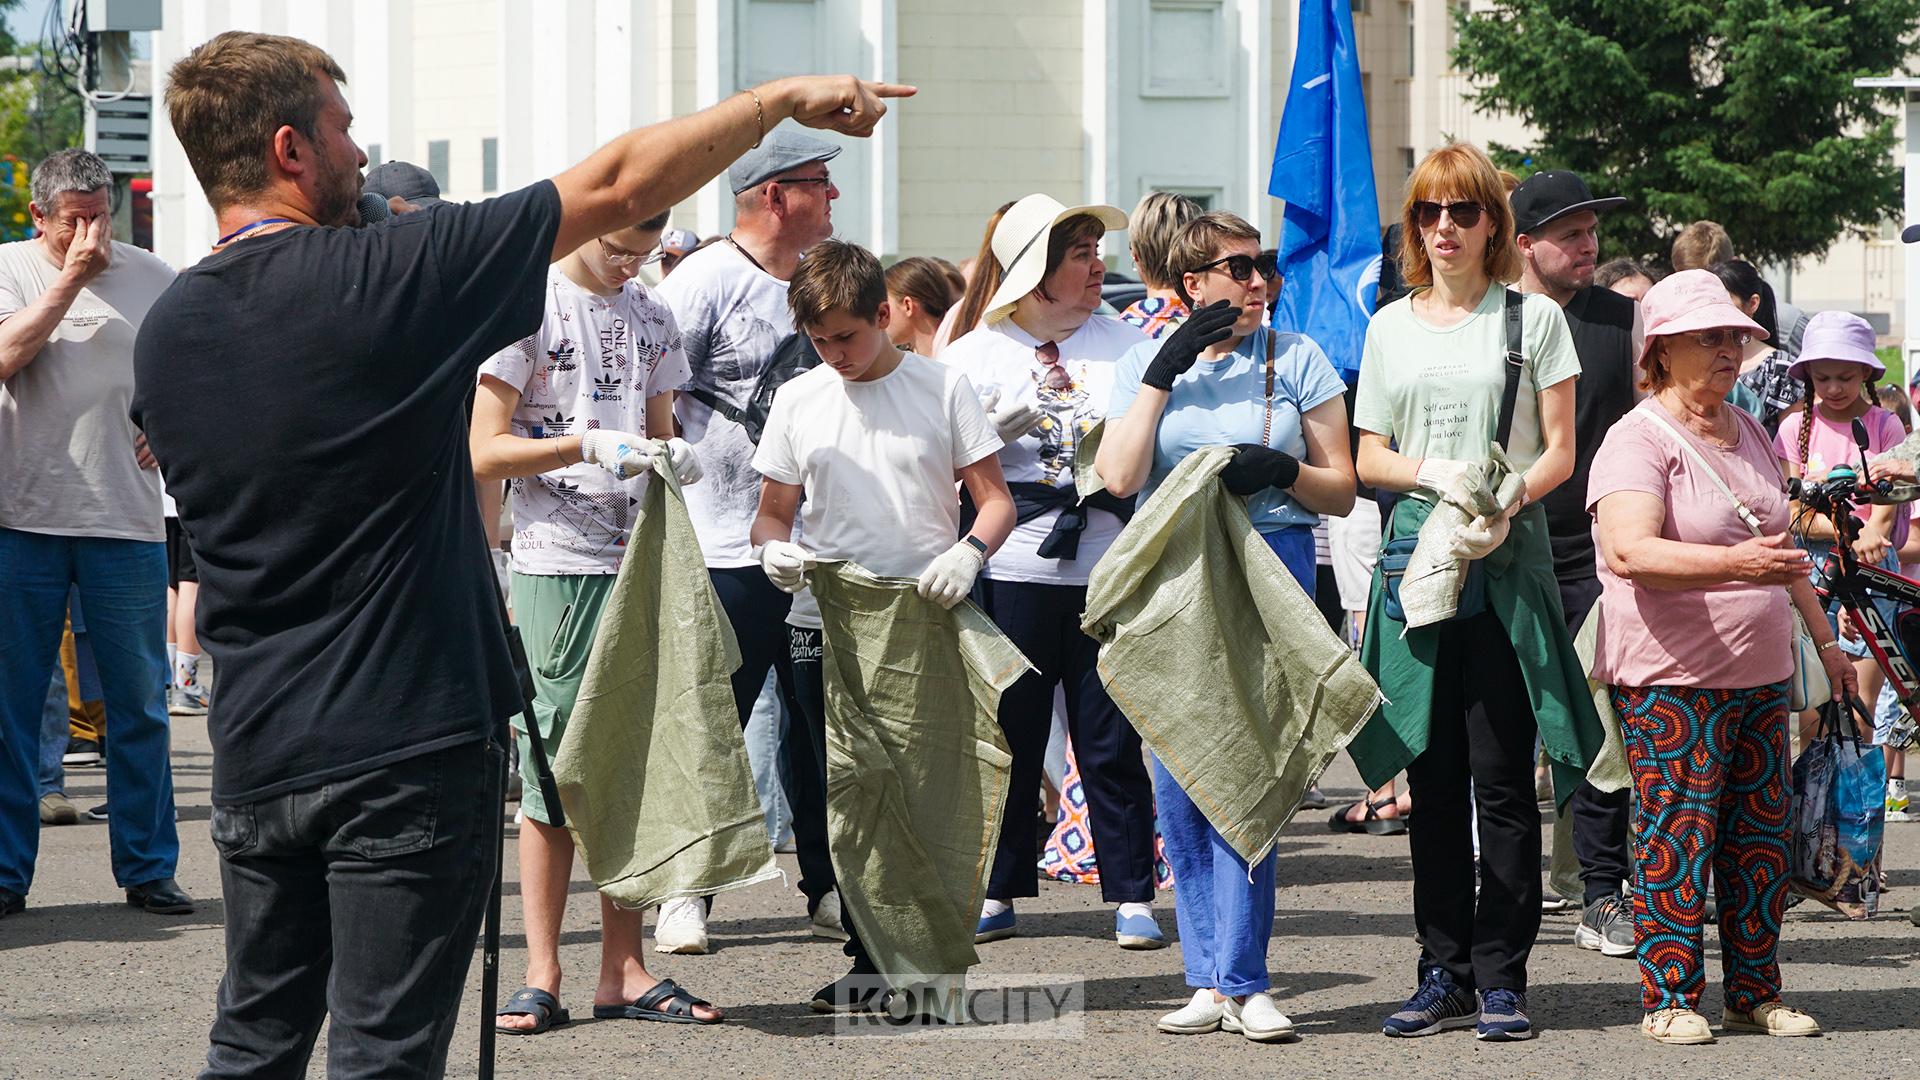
(1196, 1017)
(1258, 1018)
(682, 927)
(826, 918)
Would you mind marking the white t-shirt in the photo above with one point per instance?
(66, 444)
(732, 315)
(1000, 356)
(594, 363)
(877, 461)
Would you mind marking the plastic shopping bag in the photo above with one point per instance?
(1839, 788)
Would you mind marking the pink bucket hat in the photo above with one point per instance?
(1686, 301)
(1837, 335)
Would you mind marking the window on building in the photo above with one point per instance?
(1361, 7)
(373, 155)
(489, 165)
(1407, 161)
(1191, 54)
(1407, 9)
(437, 163)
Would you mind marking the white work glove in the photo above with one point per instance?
(1011, 419)
(621, 453)
(1477, 538)
(947, 580)
(785, 563)
(1439, 474)
(684, 462)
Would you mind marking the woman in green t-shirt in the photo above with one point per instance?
(1465, 698)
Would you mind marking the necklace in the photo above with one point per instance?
(748, 255)
(249, 227)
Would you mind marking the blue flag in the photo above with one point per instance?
(1323, 168)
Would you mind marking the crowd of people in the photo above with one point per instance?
(1623, 436)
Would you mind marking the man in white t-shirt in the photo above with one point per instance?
(874, 440)
(80, 506)
(731, 302)
(567, 418)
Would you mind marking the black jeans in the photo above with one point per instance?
(809, 732)
(758, 612)
(1599, 817)
(1479, 757)
(358, 900)
(1044, 621)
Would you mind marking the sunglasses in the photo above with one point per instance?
(1464, 214)
(1714, 339)
(1241, 268)
(804, 180)
(619, 257)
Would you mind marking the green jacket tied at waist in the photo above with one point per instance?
(653, 771)
(1219, 659)
(917, 768)
(1522, 592)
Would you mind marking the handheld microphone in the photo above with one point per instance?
(373, 208)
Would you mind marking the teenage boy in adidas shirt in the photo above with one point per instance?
(566, 417)
(873, 439)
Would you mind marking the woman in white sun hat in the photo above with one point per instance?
(1043, 362)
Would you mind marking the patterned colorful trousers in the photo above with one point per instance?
(1710, 772)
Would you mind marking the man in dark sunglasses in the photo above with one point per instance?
(1557, 221)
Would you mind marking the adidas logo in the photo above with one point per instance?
(607, 389)
(557, 424)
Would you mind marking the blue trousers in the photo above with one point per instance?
(1223, 907)
(123, 584)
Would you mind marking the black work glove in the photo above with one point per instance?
(1255, 467)
(1210, 325)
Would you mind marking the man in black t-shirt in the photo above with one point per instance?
(304, 386)
(1557, 221)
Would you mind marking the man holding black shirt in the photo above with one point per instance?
(1558, 225)
(305, 387)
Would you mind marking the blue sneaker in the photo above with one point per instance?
(994, 927)
(1135, 932)
(1438, 1005)
(1503, 1017)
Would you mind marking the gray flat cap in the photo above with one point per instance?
(782, 149)
(405, 179)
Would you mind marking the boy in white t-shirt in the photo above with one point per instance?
(567, 417)
(874, 439)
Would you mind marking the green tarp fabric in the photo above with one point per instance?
(1219, 659)
(653, 771)
(917, 769)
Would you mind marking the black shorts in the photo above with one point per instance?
(179, 556)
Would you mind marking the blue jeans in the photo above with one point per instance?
(53, 736)
(1224, 909)
(123, 584)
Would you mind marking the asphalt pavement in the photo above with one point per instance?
(93, 988)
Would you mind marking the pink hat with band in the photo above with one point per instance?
(1688, 301)
(1837, 335)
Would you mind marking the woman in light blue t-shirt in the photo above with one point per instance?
(1224, 379)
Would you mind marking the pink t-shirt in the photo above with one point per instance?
(1721, 637)
(1832, 444)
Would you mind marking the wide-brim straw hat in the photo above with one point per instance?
(1020, 245)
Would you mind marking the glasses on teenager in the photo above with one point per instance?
(1714, 339)
(621, 257)
(1464, 214)
(1241, 268)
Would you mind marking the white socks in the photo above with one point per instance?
(994, 907)
(186, 666)
(1128, 910)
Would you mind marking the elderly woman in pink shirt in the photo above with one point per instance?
(1695, 641)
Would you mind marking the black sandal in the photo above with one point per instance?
(537, 1003)
(1372, 822)
(667, 1003)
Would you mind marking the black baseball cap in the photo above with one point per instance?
(1546, 196)
(405, 179)
(1911, 234)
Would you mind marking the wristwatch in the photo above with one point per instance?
(976, 544)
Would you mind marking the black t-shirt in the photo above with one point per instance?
(306, 393)
(1602, 324)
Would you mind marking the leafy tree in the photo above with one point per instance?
(1742, 111)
